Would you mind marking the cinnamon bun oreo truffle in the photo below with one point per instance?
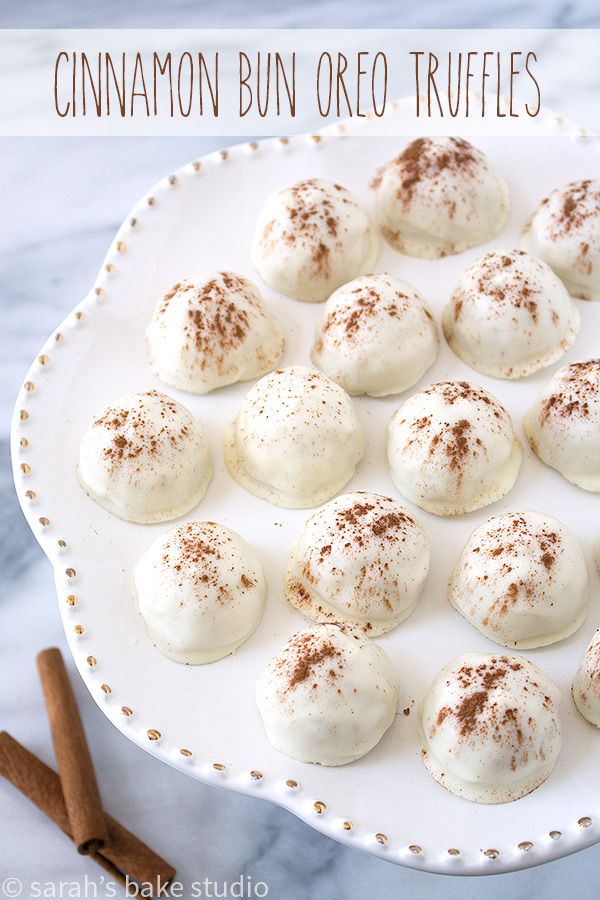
(565, 232)
(329, 696)
(510, 315)
(200, 591)
(438, 197)
(208, 333)
(521, 580)
(586, 684)
(297, 439)
(312, 237)
(362, 558)
(563, 426)
(376, 337)
(452, 449)
(490, 727)
(144, 458)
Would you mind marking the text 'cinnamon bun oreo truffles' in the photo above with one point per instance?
(490, 727)
(200, 591)
(312, 237)
(521, 580)
(329, 696)
(452, 449)
(565, 232)
(439, 196)
(144, 458)
(563, 426)
(586, 684)
(297, 439)
(362, 558)
(510, 315)
(211, 332)
(376, 337)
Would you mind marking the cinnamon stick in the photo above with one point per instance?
(123, 856)
(75, 767)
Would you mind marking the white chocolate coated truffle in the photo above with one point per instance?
(200, 591)
(362, 558)
(510, 315)
(376, 337)
(144, 458)
(211, 332)
(565, 232)
(329, 696)
(438, 197)
(312, 237)
(586, 684)
(297, 439)
(521, 580)
(452, 449)
(490, 727)
(563, 426)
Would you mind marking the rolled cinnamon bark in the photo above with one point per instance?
(75, 767)
(124, 856)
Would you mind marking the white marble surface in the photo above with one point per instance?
(61, 203)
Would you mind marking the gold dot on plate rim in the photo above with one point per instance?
(24, 442)
(91, 661)
(25, 468)
(151, 201)
(381, 838)
(121, 246)
(23, 415)
(219, 767)
(291, 783)
(59, 337)
(31, 495)
(99, 292)
(196, 166)
(256, 775)
(62, 544)
(172, 179)
(584, 822)
(185, 752)
(106, 688)
(127, 711)
(491, 853)
(453, 851)
(555, 835)
(79, 315)
(44, 522)
(525, 846)
(414, 848)
(43, 359)
(79, 629)
(70, 573)
(72, 600)
(153, 734)
(347, 826)
(109, 267)
(319, 807)
(133, 221)
(29, 386)
(224, 154)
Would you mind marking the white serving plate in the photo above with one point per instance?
(198, 219)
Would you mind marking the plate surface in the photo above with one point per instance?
(200, 219)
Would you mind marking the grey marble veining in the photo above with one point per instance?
(61, 203)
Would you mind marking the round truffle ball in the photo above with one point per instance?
(510, 315)
(312, 237)
(521, 580)
(329, 696)
(452, 449)
(490, 727)
(144, 458)
(438, 197)
(376, 336)
(563, 426)
(363, 559)
(586, 684)
(211, 332)
(297, 439)
(200, 591)
(564, 231)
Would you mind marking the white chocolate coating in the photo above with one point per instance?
(208, 333)
(586, 684)
(521, 580)
(329, 696)
(510, 315)
(312, 237)
(376, 337)
(363, 559)
(452, 449)
(565, 232)
(297, 439)
(200, 591)
(490, 727)
(144, 458)
(438, 197)
(563, 426)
